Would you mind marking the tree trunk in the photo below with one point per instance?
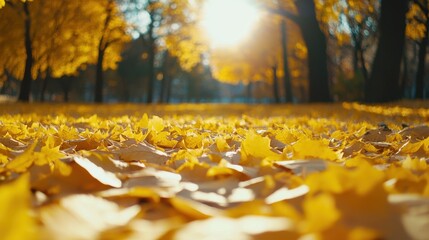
(384, 82)
(168, 89)
(420, 76)
(165, 77)
(363, 65)
(315, 41)
(287, 78)
(98, 89)
(163, 89)
(355, 58)
(151, 58)
(404, 77)
(25, 90)
(45, 81)
(151, 74)
(275, 85)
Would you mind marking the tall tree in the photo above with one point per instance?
(112, 31)
(286, 73)
(315, 41)
(351, 23)
(24, 94)
(67, 41)
(276, 85)
(133, 71)
(154, 16)
(147, 29)
(253, 59)
(384, 83)
(170, 68)
(417, 30)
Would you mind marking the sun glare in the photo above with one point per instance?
(228, 22)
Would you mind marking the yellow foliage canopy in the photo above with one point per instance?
(67, 42)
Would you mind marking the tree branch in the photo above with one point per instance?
(285, 13)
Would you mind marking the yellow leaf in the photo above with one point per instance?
(411, 147)
(140, 192)
(356, 160)
(308, 148)
(258, 147)
(143, 122)
(162, 139)
(320, 213)
(68, 133)
(51, 155)
(156, 124)
(22, 162)
(3, 159)
(363, 233)
(336, 179)
(62, 168)
(193, 141)
(219, 171)
(16, 222)
(193, 209)
(415, 164)
(222, 145)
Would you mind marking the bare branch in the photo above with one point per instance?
(285, 13)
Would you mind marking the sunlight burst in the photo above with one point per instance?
(229, 22)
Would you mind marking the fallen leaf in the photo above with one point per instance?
(287, 194)
(105, 177)
(143, 152)
(303, 167)
(16, 220)
(308, 148)
(83, 217)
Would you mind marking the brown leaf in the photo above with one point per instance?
(416, 133)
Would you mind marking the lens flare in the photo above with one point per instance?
(229, 22)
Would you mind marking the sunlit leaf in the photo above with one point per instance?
(91, 215)
(307, 148)
(22, 162)
(193, 209)
(105, 177)
(320, 213)
(16, 220)
(256, 146)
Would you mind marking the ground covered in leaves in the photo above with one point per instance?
(342, 171)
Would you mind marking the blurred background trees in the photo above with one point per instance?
(161, 51)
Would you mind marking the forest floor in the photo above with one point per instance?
(127, 171)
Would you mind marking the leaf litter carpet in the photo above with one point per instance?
(334, 171)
